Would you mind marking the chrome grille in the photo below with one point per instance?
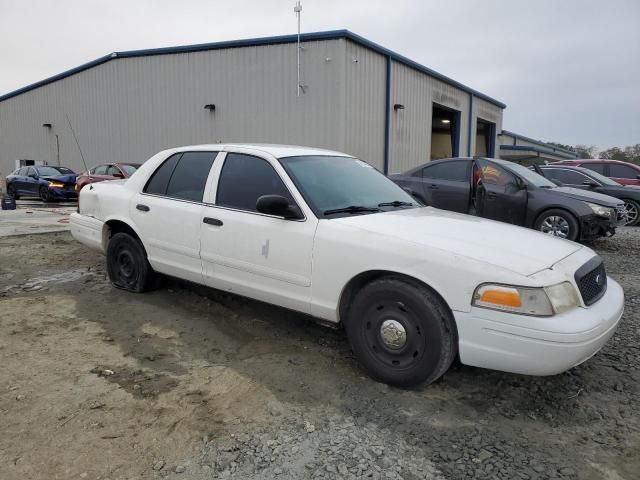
(591, 279)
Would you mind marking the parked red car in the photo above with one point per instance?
(622, 172)
(108, 171)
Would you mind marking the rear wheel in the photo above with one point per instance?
(127, 264)
(401, 332)
(11, 191)
(45, 195)
(632, 212)
(558, 223)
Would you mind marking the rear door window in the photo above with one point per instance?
(622, 171)
(100, 170)
(453, 170)
(596, 167)
(244, 179)
(190, 175)
(568, 177)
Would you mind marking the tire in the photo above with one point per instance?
(11, 191)
(45, 196)
(632, 210)
(127, 264)
(558, 223)
(430, 344)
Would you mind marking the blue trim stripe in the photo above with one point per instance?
(517, 136)
(252, 42)
(387, 117)
(548, 151)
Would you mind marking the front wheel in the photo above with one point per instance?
(127, 264)
(632, 212)
(45, 195)
(558, 223)
(401, 332)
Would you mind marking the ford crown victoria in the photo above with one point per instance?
(327, 235)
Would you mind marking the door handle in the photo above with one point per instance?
(491, 195)
(433, 186)
(142, 208)
(212, 221)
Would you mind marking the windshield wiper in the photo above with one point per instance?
(351, 209)
(396, 203)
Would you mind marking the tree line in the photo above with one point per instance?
(626, 154)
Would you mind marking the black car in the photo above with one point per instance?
(47, 182)
(586, 179)
(511, 193)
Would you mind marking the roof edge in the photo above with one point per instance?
(252, 42)
(548, 151)
(538, 142)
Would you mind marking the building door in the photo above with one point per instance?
(445, 132)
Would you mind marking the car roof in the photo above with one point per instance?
(278, 151)
(593, 160)
(577, 168)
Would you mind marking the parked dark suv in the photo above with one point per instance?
(512, 193)
(578, 177)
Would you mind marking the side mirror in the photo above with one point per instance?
(279, 206)
(638, 177)
(590, 184)
(117, 175)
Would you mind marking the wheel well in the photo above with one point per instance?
(354, 285)
(116, 226)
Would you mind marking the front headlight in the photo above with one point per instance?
(601, 211)
(536, 301)
(563, 297)
(56, 185)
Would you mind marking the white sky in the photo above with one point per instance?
(568, 70)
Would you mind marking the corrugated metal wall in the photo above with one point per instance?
(130, 108)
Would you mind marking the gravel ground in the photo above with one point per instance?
(192, 383)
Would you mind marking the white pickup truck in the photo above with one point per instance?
(327, 235)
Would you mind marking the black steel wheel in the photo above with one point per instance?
(631, 211)
(401, 332)
(127, 264)
(557, 223)
(45, 196)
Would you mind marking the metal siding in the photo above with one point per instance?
(130, 108)
(490, 112)
(411, 127)
(364, 103)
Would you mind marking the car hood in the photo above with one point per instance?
(61, 178)
(587, 196)
(513, 248)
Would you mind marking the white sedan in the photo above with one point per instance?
(326, 234)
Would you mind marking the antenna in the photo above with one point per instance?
(78, 144)
(298, 10)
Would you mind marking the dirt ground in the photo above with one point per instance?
(192, 383)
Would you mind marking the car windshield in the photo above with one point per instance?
(51, 171)
(530, 176)
(600, 178)
(331, 183)
(129, 169)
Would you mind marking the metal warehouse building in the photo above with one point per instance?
(354, 96)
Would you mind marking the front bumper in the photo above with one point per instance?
(593, 226)
(535, 345)
(63, 193)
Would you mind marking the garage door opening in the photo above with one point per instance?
(485, 139)
(445, 132)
